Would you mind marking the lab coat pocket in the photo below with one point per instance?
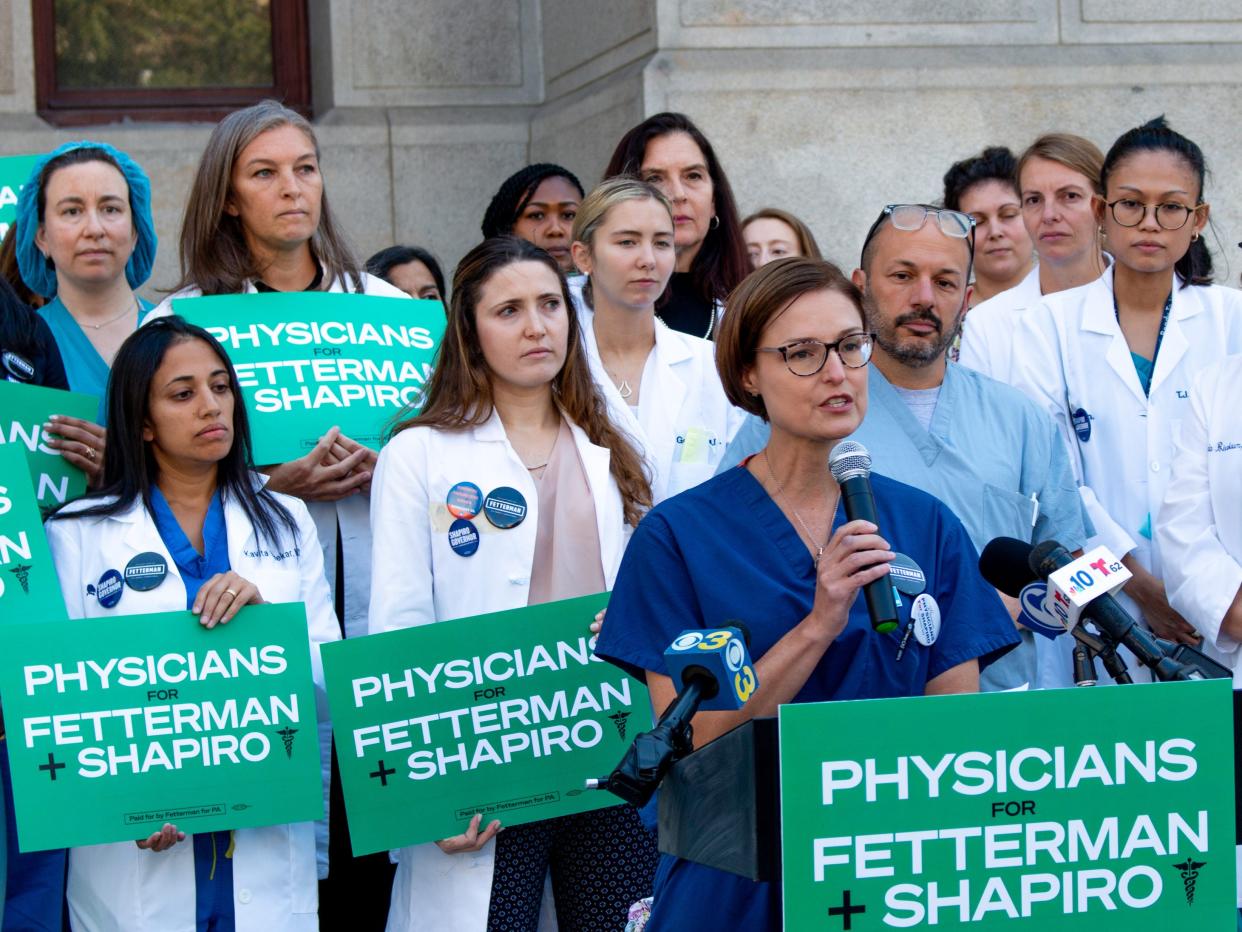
(697, 446)
(303, 870)
(1007, 514)
(696, 453)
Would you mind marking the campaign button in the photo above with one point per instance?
(1082, 424)
(145, 571)
(906, 575)
(925, 614)
(505, 507)
(463, 537)
(464, 500)
(110, 588)
(19, 368)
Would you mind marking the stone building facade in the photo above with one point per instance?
(830, 108)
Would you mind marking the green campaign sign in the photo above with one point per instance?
(505, 714)
(29, 588)
(14, 170)
(1108, 809)
(26, 408)
(312, 360)
(118, 725)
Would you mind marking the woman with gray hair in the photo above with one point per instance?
(258, 220)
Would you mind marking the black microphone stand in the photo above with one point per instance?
(1101, 648)
(646, 761)
(1166, 660)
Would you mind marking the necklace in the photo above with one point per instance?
(711, 322)
(111, 320)
(780, 494)
(623, 387)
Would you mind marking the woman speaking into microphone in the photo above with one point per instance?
(768, 544)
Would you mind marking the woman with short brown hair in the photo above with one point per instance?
(767, 543)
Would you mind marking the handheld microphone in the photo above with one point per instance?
(850, 464)
(1115, 623)
(713, 671)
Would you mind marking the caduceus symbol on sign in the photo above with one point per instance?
(286, 735)
(22, 572)
(619, 719)
(1190, 873)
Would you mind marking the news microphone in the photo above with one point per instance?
(1166, 661)
(718, 661)
(713, 671)
(850, 464)
(1004, 564)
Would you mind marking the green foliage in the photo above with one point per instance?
(163, 43)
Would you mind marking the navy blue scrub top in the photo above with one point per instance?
(723, 552)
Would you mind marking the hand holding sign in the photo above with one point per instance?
(344, 448)
(162, 840)
(320, 477)
(222, 596)
(471, 839)
(82, 443)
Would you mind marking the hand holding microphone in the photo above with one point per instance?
(856, 555)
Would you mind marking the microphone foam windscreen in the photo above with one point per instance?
(1005, 564)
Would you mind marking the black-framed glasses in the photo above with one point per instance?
(1169, 215)
(807, 357)
(909, 217)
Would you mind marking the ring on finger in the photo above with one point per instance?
(90, 453)
(231, 593)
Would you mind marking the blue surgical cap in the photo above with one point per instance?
(37, 272)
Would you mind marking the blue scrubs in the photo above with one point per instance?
(990, 454)
(86, 369)
(213, 851)
(723, 551)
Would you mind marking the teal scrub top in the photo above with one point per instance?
(87, 371)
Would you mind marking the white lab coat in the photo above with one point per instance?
(1071, 355)
(418, 579)
(349, 514)
(1199, 531)
(684, 421)
(990, 327)
(119, 887)
(987, 332)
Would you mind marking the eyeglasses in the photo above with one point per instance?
(910, 217)
(1169, 216)
(807, 357)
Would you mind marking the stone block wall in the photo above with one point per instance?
(829, 107)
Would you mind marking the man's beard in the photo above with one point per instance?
(916, 352)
